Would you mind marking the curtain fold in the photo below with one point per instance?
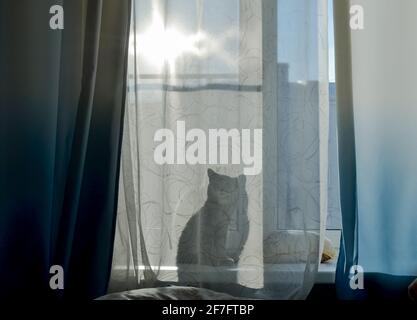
(234, 65)
(376, 72)
(62, 104)
(346, 142)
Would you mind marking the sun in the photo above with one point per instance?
(162, 46)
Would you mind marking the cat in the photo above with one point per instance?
(203, 241)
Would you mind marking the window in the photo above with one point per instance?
(334, 214)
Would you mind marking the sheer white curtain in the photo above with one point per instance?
(237, 64)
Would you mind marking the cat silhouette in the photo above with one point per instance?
(206, 255)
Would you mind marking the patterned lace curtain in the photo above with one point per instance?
(239, 65)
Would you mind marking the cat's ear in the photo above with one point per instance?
(210, 173)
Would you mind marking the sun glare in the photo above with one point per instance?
(162, 46)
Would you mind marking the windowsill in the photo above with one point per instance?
(327, 272)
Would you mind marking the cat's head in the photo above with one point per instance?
(223, 189)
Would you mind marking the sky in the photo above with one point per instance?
(297, 33)
(296, 36)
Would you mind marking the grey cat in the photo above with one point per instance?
(205, 237)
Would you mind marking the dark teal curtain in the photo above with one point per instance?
(61, 113)
(377, 149)
(348, 255)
